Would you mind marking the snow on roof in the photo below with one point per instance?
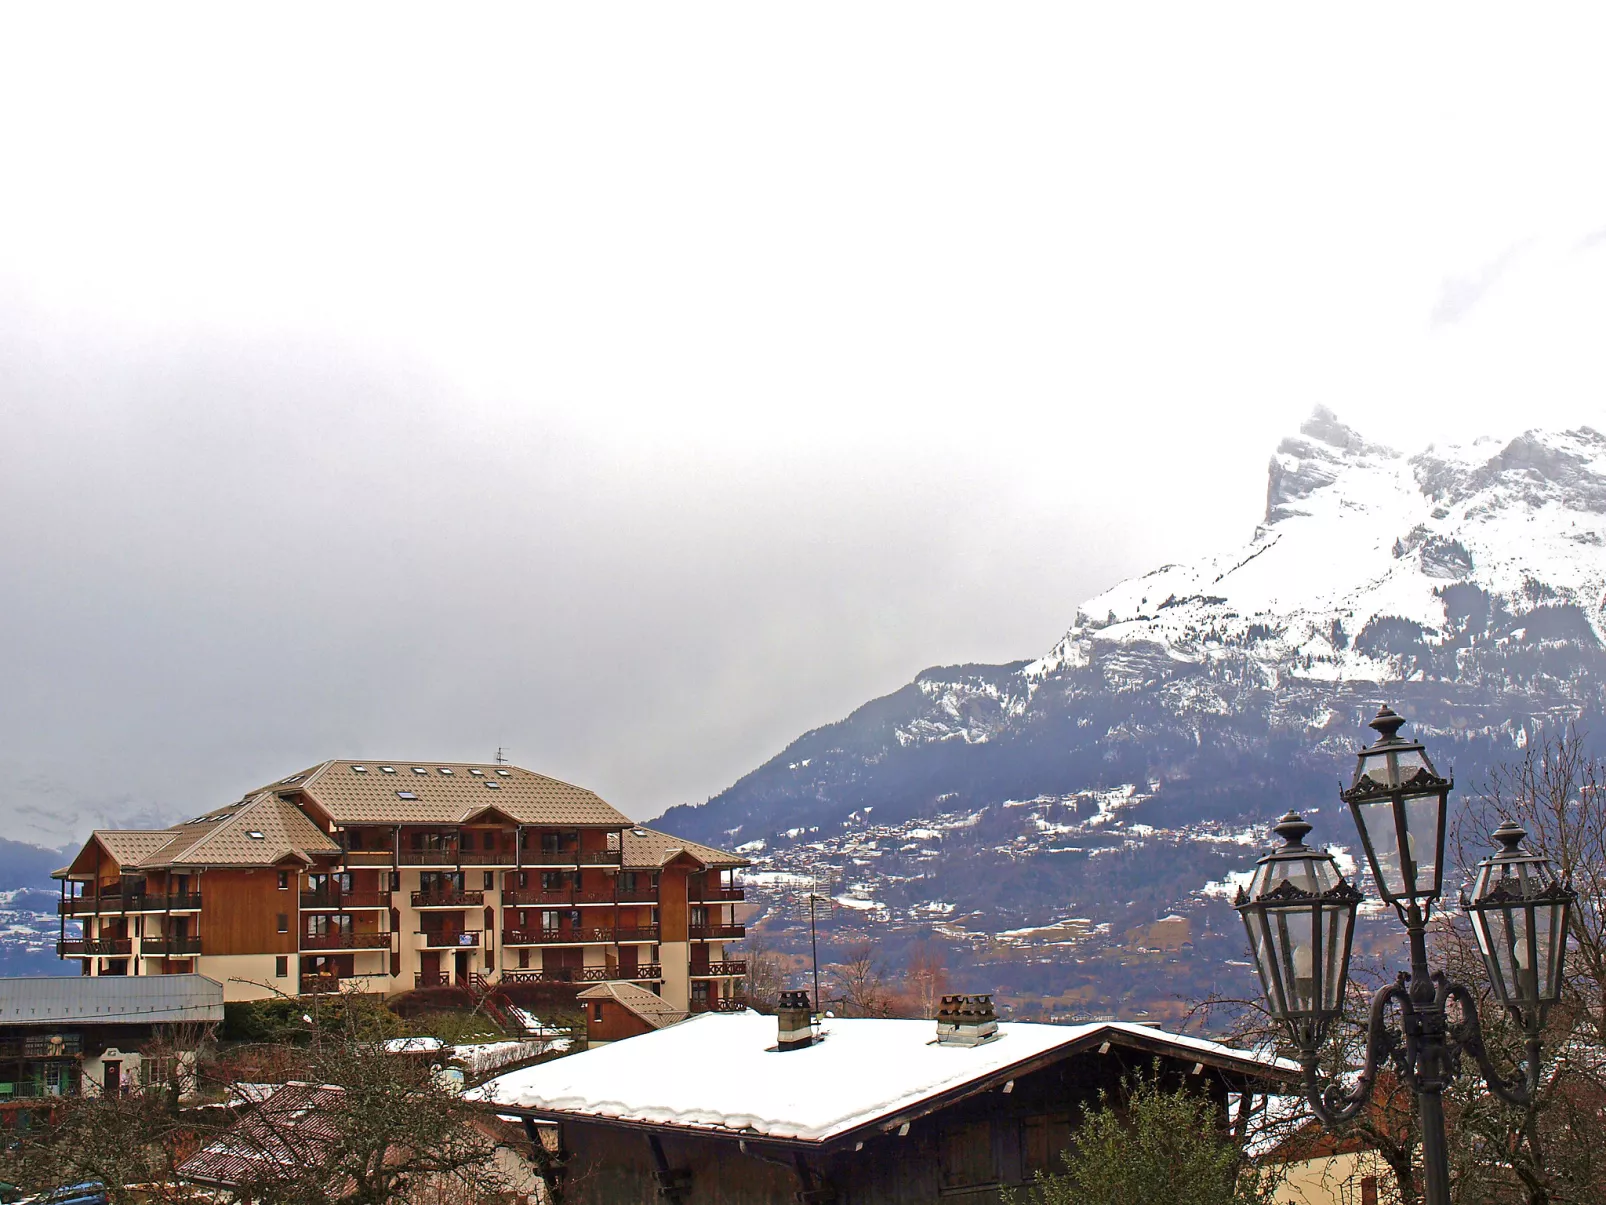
(859, 1072)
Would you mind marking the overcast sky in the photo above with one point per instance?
(637, 386)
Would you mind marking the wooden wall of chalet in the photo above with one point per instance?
(961, 1154)
(672, 904)
(240, 911)
(617, 1021)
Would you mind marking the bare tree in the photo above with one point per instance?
(861, 982)
(765, 977)
(1554, 1150)
(926, 981)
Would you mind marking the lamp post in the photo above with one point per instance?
(1300, 915)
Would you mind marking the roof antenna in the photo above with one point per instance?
(501, 759)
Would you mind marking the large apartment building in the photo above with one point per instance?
(386, 876)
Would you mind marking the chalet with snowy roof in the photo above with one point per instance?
(624, 1010)
(747, 1107)
(382, 877)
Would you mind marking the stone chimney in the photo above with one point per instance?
(966, 1021)
(796, 1021)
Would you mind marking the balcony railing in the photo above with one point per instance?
(94, 947)
(717, 895)
(568, 855)
(345, 941)
(448, 939)
(712, 970)
(716, 932)
(369, 857)
(169, 947)
(312, 985)
(448, 899)
(637, 933)
(639, 895)
(575, 975)
(488, 857)
(582, 936)
(340, 901)
(88, 905)
(641, 971)
(429, 857)
(527, 898)
(725, 1004)
(600, 857)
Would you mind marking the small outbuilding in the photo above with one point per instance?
(624, 1010)
(739, 1107)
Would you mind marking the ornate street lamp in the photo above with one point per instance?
(1299, 912)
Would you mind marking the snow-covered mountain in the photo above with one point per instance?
(1465, 584)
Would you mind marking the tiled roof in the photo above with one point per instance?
(130, 846)
(296, 1125)
(109, 999)
(370, 795)
(647, 849)
(649, 1006)
(263, 832)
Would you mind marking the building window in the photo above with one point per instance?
(967, 1155)
(284, 922)
(281, 967)
(490, 880)
(284, 880)
(596, 1011)
(698, 919)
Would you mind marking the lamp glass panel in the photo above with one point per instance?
(1265, 950)
(1335, 941)
(1378, 768)
(1409, 763)
(1299, 958)
(1544, 936)
(1422, 841)
(1377, 820)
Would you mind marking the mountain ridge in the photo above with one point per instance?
(1466, 583)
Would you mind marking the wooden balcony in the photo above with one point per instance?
(717, 970)
(636, 933)
(585, 975)
(716, 932)
(582, 936)
(717, 895)
(641, 895)
(170, 947)
(600, 857)
(89, 905)
(447, 939)
(527, 898)
(345, 941)
(448, 899)
(94, 947)
(369, 857)
(343, 901)
(725, 1004)
(315, 984)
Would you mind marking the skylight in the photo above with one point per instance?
(256, 835)
(387, 769)
(292, 779)
(405, 795)
(495, 786)
(504, 773)
(359, 769)
(477, 773)
(442, 770)
(420, 770)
